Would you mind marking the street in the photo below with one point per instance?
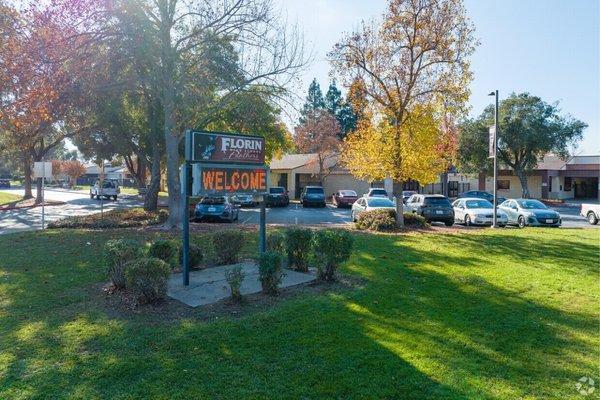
(79, 203)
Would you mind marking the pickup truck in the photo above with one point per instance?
(109, 189)
(591, 212)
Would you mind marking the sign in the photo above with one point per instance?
(492, 142)
(230, 179)
(227, 148)
(42, 169)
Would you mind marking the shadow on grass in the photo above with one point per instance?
(412, 333)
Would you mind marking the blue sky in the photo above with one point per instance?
(550, 48)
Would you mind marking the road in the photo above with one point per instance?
(79, 203)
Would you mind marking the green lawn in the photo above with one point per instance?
(507, 314)
(8, 198)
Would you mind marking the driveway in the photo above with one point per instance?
(76, 203)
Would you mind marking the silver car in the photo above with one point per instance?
(528, 212)
(370, 203)
(477, 211)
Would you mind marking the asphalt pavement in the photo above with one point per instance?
(79, 203)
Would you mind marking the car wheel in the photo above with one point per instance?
(502, 225)
(521, 222)
(115, 198)
(592, 219)
(449, 223)
(467, 220)
(91, 196)
(353, 217)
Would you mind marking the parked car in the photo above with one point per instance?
(476, 211)
(370, 203)
(482, 195)
(529, 212)
(406, 195)
(312, 195)
(244, 200)
(216, 208)
(277, 196)
(591, 212)
(344, 198)
(432, 207)
(109, 189)
(5, 183)
(377, 192)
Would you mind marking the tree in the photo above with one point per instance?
(73, 169)
(208, 51)
(415, 60)
(341, 109)
(319, 134)
(314, 101)
(529, 128)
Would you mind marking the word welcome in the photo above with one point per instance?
(233, 180)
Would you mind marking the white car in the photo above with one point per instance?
(377, 192)
(591, 212)
(370, 203)
(109, 189)
(476, 211)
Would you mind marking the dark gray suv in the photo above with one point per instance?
(432, 207)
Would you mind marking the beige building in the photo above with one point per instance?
(295, 171)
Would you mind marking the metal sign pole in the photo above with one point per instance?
(43, 194)
(262, 233)
(186, 209)
(495, 216)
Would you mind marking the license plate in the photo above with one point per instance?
(549, 221)
(212, 209)
(439, 212)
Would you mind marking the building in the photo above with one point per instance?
(553, 178)
(295, 171)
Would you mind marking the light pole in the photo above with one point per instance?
(495, 155)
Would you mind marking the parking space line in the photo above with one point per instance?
(296, 220)
(246, 220)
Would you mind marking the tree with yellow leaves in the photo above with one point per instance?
(414, 69)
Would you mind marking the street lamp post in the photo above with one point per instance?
(495, 155)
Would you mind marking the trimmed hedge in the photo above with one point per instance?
(147, 279)
(384, 220)
(298, 243)
(122, 218)
(331, 247)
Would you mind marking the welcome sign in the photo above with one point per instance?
(230, 179)
(212, 147)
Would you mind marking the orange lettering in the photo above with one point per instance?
(208, 179)
(219, 180)
(254, 180)
(245, 180)
(235, 180)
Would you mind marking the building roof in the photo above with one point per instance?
(292, 161)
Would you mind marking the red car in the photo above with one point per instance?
(344, 198)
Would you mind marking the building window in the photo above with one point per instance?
(568, 184)
(550, 184)
(503, 184)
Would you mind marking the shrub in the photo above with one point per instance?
(118, 252)
(121, 218)
(163, 249)
(415, 220)
(330, 249)
(377, 220)
(269, 271)
(196, 256)
(147, 279)
(298, 248)
(276, 242)
(235, 277)
(228, 245)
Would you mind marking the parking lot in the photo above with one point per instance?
(295, 214)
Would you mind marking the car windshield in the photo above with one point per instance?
(531, 204)
(437, 201)
(408, 193)
(347, 192)
(276, 190)
(108, 184)
(478, 204)
(379, 191)
(380, 203)
(314, 190)
(213, 200)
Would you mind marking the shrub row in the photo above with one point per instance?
(122, 218)
(385, 220)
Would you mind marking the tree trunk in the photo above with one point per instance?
(173, 181)
(27, 173)
(523, 179)
(151, 199)
(399, 212)
(38, 194)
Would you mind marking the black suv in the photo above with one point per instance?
(277, 196)
(312, 195)
(432, 207)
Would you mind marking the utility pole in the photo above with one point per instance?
(495, 155)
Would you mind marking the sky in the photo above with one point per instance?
(549, 48)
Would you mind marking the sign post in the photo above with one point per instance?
(42, 169)
(229, 164)
(493, 153)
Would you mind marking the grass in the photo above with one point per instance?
(508, 314)
(134, 191)
(6, 198)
